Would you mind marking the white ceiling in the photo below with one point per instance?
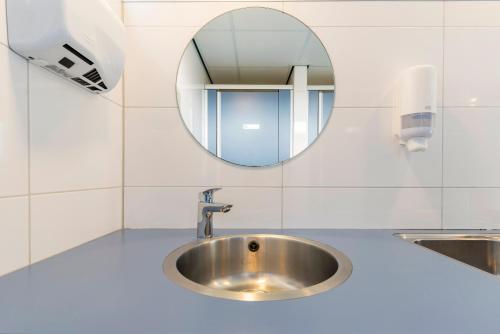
(260, 46)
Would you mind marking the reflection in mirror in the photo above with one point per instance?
(255, 87)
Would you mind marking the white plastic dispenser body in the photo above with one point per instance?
(415, 112)
(80, 40)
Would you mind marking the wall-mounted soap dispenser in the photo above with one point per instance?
(415, 107)
(80, 40)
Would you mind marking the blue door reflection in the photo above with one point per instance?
(255, 126)
(249, 127)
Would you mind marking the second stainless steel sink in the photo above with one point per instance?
(478, 250)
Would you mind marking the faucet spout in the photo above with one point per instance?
(206, 209)
(226, 208)
(217, 207)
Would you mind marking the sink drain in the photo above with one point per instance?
(253, 246)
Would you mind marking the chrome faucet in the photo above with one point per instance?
(206, 209)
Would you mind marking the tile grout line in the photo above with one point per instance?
(74, 190)
(29, 160)
(282, 199)
(339, 107)
(15, 196)
(443, 114)
(123, 130)
(27, 195)
(279, 186)
(198, 26)
(285, 187)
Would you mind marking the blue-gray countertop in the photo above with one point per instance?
(115, 284)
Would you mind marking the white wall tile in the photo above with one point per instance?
(368, 61)
(13, 123)
(176, 207)
(159, 151)
(153, 56)
(182, 14)
(471, 147)
(65, 220)
(472, 13)
(75, 136)
(14, 234)
(471, 208)
(160, 207)
(379, 208)
(472, 71)
(359, 149)
(3, 23)
(367, 13)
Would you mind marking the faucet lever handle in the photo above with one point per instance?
(207, 196)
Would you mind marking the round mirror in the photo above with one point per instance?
(255, 87)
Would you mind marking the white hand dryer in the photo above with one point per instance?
(80, 40)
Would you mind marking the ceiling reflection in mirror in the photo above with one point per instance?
(255, 87)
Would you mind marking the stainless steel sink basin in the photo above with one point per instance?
(257, 267)
(479, 250)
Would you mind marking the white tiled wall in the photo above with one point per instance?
(257, 207)
(355, 175)
(368, 60)
(472, 13)
(60, 161)
(471, 59)
(367, 13)
(471, 208)
(357, 149)
(362, 207)
(13, 124)
(76, 142)
(189, 14)
(14, 233)
(61, 149)
(77, 217)
(471, 147)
